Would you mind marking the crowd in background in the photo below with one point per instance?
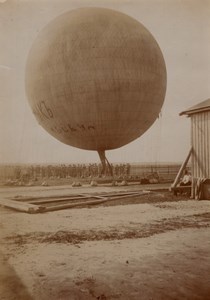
(68, 171)
(20, 174)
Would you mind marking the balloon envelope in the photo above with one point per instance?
(95, 79)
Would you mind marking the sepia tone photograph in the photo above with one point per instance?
(105, 149)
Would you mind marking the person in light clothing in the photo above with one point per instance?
(186, 180)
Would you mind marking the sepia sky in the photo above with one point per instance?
(182, 30)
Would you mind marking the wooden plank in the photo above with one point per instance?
(92, 202)
(129, 195)
(192, 157)
(181, 169)
(196, 146)
(20, 206)
(72, 205)
(51, 200)
(208, 142)
(121, 193)
(93, 196)
(31, 208)
(66, 197)
(99, 197)
(46, 200)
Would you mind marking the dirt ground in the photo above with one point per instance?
(155, 246)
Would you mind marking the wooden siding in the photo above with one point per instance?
(200, 138)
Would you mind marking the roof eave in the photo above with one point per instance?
(194, 111)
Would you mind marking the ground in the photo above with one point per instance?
(150, 247)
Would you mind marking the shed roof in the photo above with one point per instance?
(200, 107)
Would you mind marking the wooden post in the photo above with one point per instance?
(183, 166)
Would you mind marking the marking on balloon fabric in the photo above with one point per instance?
(64, 129)
(81, 127)
(38, 115)
(71, 128)
(44, 110)
(91, 127)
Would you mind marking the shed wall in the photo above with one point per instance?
(200, 137)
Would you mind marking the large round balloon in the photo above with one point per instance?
(95, 79)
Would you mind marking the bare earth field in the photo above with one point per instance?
(155, 246)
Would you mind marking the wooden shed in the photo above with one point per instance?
(200, 141)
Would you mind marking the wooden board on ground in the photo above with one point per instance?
(21, 206)
(46, 204)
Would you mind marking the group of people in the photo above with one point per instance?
(67, 171)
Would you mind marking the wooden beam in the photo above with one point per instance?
(183, 166)
(72, 205)
(92, 202)
(21, 206)
(51, 200)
